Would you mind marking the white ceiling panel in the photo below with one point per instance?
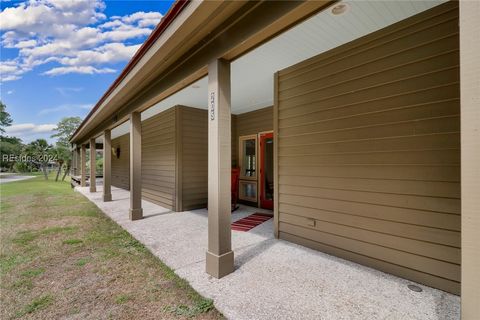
(252, 74)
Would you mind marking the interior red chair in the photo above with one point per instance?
(235, 187)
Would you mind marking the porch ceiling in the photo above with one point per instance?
(252, 73)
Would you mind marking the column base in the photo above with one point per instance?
(136, 214)
(219, 266)
(107, 197)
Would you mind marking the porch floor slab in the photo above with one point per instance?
(274, 279)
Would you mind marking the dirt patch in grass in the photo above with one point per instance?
(62, 258)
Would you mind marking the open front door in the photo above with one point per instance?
(266, 170)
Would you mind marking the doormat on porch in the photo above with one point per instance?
(250, 222)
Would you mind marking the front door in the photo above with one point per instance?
(266, 170)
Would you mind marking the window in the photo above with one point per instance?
(248, 157)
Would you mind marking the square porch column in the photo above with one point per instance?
(93, 165)
(83, 166)
(219, 255)
(78, 159)
(72, 166)
(107, 166)
(470, 156)
(136, 211)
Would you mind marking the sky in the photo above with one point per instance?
(58, 57)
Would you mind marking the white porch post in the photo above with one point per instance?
(83, 166)
(93, 164)
(470, 156)
(107, 166)
(136, 211)
(219, 255)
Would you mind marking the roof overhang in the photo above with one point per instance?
(179, 49)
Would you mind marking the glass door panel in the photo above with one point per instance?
(248, 157)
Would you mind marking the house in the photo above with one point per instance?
(356, 122)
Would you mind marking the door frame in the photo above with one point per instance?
(261, 182)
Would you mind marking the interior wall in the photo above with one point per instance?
(369, 150)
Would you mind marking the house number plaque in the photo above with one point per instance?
(212, 106)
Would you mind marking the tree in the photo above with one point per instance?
(9, 146)
(5, 118)
(62, 155)
(64, 130)
(41, 153)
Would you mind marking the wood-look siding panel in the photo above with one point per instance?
(158, 159)
(390, 172)
(376, 237)
(194, 163)
(399, 270)
(250, 123)
(121, 165)
(369, 150)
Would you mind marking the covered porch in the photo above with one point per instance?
(272, 277)
(367, 166)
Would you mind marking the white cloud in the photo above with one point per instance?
(75, 36)
(26, 44)
(109, 53)
(143, 18)
(10, 91)
(29, 129)
(11, 70)
(65, 107)
(36, 15)
(66, 91)
(9, 78)
(80, 69)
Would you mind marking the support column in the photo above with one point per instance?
(470, 156)
(93, 165)
(83, 166)
(136, 211)
(72, 166)
(107, 166)
(78, 160)
(219, 255)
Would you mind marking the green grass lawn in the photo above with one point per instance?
(61, 257)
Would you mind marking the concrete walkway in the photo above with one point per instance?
(5, 178)
(274, 279)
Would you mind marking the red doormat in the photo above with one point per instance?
(250, 222)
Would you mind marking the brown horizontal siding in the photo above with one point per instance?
(158, 159)
(250, 123)
(369, 149)
(380, 264)
(194, 163)
(121, 165)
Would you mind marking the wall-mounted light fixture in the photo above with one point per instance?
(116, 152)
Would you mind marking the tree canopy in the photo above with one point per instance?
(65, 128)
(5, 118)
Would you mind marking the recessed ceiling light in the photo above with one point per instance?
(339, 9)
